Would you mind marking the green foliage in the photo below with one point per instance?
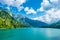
(55, 25)
(7, 21)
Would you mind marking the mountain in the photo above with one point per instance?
(7, 21)
(33, 23)
(55, 25)
(20, 17)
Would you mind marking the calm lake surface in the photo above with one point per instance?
(29, 34)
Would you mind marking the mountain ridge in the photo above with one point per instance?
(7, 21)
(33, 23)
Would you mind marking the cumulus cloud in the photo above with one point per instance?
(14, 3)
(29, 10)
(45, 5)
(52, 11)
(51, 16)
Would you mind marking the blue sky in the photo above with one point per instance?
(43, 10)
(35, 4)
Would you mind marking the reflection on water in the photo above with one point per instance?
(28, 34)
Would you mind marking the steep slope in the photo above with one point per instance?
(20, 17)
(55, 25)
(7, 21)
(33, 23)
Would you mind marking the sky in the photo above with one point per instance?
(47, 11)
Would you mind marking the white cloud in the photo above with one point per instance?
(26, 8)
(54, 1)
(14, 3)
(52, 11)
(51, 16)
(45, 5)
(40, 9)
(29, 11)
(46, 18)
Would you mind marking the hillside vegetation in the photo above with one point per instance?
(7, 21)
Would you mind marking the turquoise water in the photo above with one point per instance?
(28, 34)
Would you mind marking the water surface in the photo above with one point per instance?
(29, 34)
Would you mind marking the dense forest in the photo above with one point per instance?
(7, 21)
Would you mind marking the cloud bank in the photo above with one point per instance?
(14, 3)
(51, 8)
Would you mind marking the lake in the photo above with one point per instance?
(29, 34)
